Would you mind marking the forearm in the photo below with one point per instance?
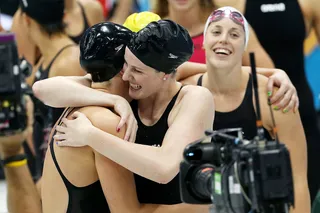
(267, 72)
(139, 159)
(123, 10)
(177, 208)
(189, 69)
(70, 92)
(22, 194)
(302, 198)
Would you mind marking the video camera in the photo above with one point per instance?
(13, 116)
(238, 175)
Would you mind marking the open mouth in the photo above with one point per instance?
(222, 51)
(135, 86)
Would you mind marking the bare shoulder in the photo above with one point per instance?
(196, 93)
(67, 63)
(103, 118)
(91, 5)
(92, 9)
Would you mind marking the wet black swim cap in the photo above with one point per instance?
(102, 50)
(44, 11)
(163, 45)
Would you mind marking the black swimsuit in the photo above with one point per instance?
(149, 191)
(280, 27)
(88, 199)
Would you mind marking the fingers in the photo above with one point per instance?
(130, 127)
(61, 129)
(60, 137)
(280, 93)
(291, 105)
(285, 101)
(270, 86)
(133, 135)
(63, 143)
(296, 108)
(122, 122)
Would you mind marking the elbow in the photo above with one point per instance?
(165, 173)
(37, 89)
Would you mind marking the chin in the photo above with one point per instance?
(220, 64)
(182, 4)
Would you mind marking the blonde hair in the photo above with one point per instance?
(161, 7)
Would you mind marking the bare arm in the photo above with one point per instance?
(22, 193)
(119, 188)
(123, 10)
(159, 164)
(75, 92)
(262, 58)
(291, 133)
(94, 11)
(316, 18)
(189, 69)
(286, 97)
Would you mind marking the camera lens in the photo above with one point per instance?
(202, 181)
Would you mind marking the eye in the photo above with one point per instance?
(216, 32)
(234, 35)
(137, 71)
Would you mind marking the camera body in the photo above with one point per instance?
(13, 116)
(237, 175)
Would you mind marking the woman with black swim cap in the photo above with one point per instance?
(41, 23)
(167, 117)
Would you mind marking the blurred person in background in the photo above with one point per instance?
(192, 15)
(80, 15)
(41, 23)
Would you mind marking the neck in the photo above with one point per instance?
(49, 46)
(194, 25)
(224, 81)
(156, 102)
(70, 5)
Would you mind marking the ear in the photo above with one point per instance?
(26, 20)
(165, 77)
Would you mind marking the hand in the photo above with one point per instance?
(123, 108)
(286, 97)
(73, 132)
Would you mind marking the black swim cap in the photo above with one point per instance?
(163, 45)
(44, 11)
(102, 50)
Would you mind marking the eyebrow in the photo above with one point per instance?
(233, 28)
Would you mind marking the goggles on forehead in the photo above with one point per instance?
(235, 16)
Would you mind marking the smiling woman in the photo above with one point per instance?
(231, 85)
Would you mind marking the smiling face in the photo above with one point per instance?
(224, 43)
(183, 5)
(144, 81)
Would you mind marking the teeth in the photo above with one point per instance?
(135, 86)
(223, 51)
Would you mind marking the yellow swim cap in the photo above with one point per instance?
(137, 21)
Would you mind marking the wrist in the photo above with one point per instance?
(15, 161)
(10, 152)
(91, 131)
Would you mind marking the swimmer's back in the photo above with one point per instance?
(77, 188)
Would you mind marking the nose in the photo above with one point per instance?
(126, 74)
(223, 38)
